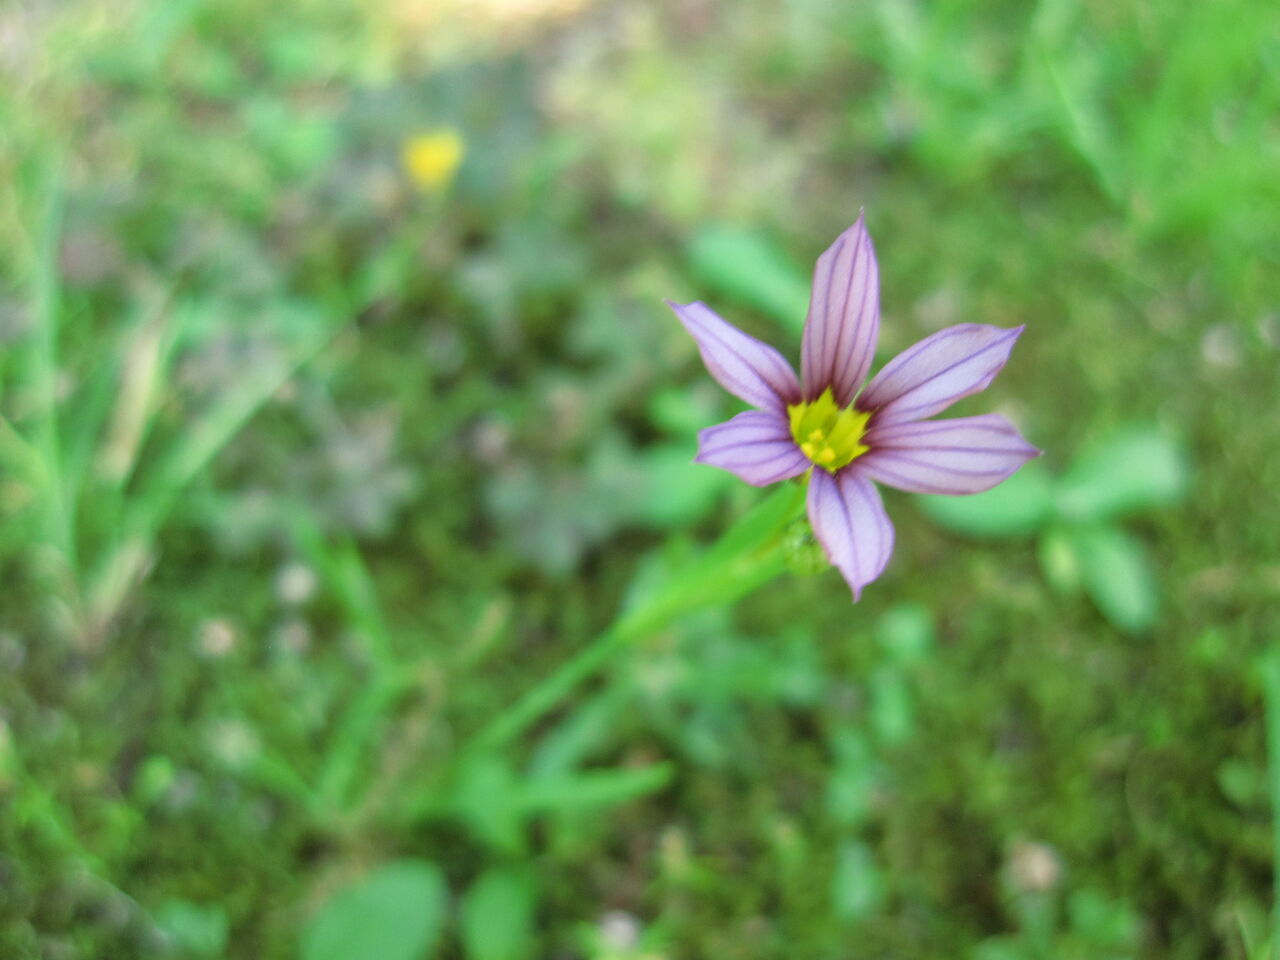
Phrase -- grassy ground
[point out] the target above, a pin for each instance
(310, 465)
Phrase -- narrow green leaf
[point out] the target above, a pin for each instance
(1132, 469)
(44, 363)
(760, 526)
(341, 564)
(19, 458)
(585, 728)
(752, 269)
(394, 913)
(497, 917)
(146, 356)
(1016, 508)
(1117, 576)
(739, 562)
(1083, 125)
(593, 789)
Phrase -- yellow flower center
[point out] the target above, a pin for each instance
(829, 436)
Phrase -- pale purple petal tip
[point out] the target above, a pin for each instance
(936, 372)
(849, 520)
(756, 446)
(964, 455)
(746, 367)
(843, 324)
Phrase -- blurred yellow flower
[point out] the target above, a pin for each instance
(432, 159)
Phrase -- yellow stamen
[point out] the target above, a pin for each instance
(827, 435)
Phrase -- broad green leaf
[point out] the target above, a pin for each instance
(1059, 562)
(154, 777)
(892, 713)
(853, 780)
(1104, 922)
(497, 916)
(906, 633)
(1001, 948)
(1133, 469)
(857, 888)
(1242, 782)
(749, 267)
(1117, 576)
(198, 929)
(394, 913)
(486, 795)
(1016, 508)
(673, 490)
(158, 31)
(681, 412)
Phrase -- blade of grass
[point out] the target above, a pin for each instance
(59, 521)
(587, 789)
(146, 512)
(1271, 693)
(142, 374)
(344, 570)
(35, 805)
(208, 436)
(19, 457)
(1084, 127)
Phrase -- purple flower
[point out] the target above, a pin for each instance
(853, 437)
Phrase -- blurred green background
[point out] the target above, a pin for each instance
(338, 406)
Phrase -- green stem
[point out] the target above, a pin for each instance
(746, 556)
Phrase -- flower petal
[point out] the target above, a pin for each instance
(936, 372)
(755, 445)
(743, 365)
(849, 521)
(965, 455)
(843, 324)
